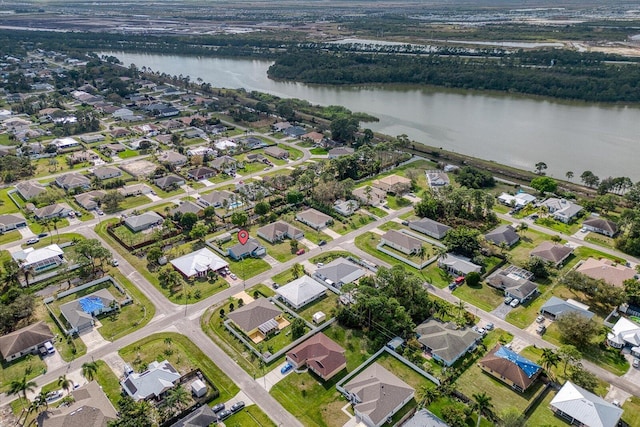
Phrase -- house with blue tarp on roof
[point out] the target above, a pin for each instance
(511, 368)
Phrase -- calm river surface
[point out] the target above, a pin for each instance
(515, 131)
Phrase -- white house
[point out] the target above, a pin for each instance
(301, 292)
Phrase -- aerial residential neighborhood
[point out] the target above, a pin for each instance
(170, 257)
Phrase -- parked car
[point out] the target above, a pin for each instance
(43, 235)
(322, 242)
(514, 303)
(53, 395)
(481, 331)
(233, 276)
(286, 368)
(49, 347)
(508, 300)
(300, 252)
(541, 329)
(237, 406)
(99, 211)
(33, 241)
(405, 222)
(115, 262)
(217, 408)
(540, 319)
(452, 286)
(223, 415)
(636, 363)
(320, 264)
(489, 327)
(275, 286)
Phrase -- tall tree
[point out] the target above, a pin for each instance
(20, 387)
(482, 406)
(541, 167)
(89, 370)
(65, 383)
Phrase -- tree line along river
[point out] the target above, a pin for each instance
(511, 130)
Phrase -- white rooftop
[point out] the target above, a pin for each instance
(301, 290)
(198, 262)
(31, 256)
(586, 407)
(224, 144)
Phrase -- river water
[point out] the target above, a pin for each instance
(511, 130)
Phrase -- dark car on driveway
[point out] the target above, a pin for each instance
(237, 406)
(217, 408)
(223, 415)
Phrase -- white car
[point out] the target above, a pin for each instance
(515, 302)
(33, 241)
(233, 276)
(636, 363)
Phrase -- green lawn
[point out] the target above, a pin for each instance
(529, 240)
(284, 277)
(557, 226)
(133, 202)
(318, 151)
(294, 153)
(109, 382)
(58, 239)
(482, 296)
(326, 304)
(128, 153)
(9, 237)
(601, 240)
(6, 204)
(542, 415)
(164, 194)
(248, 267)
(397, 202)
(183, 354)
(309, 233)
(354, 222)
(392, 225)
(329, 256)
(368, 242)
(250, 416)
(632, 411)
(436, 276)
(37, 228)
(380, 213)
(33, 366)
(281, 251)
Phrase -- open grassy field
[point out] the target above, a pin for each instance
(482, 296)
(9, 237)
(109, 382)
(31, 366)
(250, 416)
(354, 222)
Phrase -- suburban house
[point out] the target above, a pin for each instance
(203, 416)
(315, 137)
(552, 252)
(82, 156)
(340, 151)
(73, 180)
(276, 152)
(90, 139)
(252, 190)
(601, 226)
(258, 319)
(252, 142)
(106, 172)
(320, 354)
(515, 282)
(187, 206)
(369, 195)
(114, 147)
(314, 218)
(556, 307)
(252, 249)
(10, 222)
(605, 269)
(58, 210)
(169, 181)
(256, 158)
(394, 184)
(200, 151)
(625, 333)
(376, 395)
(134, 190)
(65, 143)
(173, 158)
(445, 341)
(278, 231)
(201, 172)
(339, 272)
(216, 198)
(503, 234)
(458, 265)
(437, 179)
(120, 132)
(24, 341)
(301, 292)
(199, 263)
(519, 200)
(583, 408)
(345, 207)
(225, 144)
(80, 312)
(510, 368)
(429, 227)
(143, 221)
(401, 242)
(90, 200)
(40, 259)
(280, 126)
(561, 209)
(152, 383)
(90, 408)
(224, 164)
(424, 418)
(294, 131)
(30, 189)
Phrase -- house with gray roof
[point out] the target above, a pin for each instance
(134, 190)
(10, 222)
(257, 319)
(503, 234)
(556, 307)
(203, 416)
(339, 152)
(169, 181)
(515, 282)
(24, 341)
(561, 209)
(251, 249)
(278, 231)
(376, 395)
(581, 407)
(90, 200)
(173, 158)
(429, 227)
(313, 218)
(187, 206)
(369, 195)
(57, 210)
(401, 242)
(201, 172)
(277, 152)
(424, 418)
(346, 207)
(445, 341)
(458, 264)
(339, 272)
(153, 383)
(143, 221)
(300, 292)
(90, 407)
(80, 313)
(30, 189)
(601, 226)
(106, 172)
(552, 252)
(224, 164)
(216, 198)
(73, 180)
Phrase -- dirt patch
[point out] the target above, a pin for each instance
(332, 413)
(139, 168)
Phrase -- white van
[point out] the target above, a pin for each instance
(49, 347)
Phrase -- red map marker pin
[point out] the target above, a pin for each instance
(243, 237)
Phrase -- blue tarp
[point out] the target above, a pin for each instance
(91, 304)
(527, 366)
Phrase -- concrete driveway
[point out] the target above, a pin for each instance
(273, 377)
(92, 338)
(53, 361)
(26, 232)
(502, 310)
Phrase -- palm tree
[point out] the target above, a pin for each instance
(569, 175)
(20, 387)
(55, 221)
(482, 405)
(168, 341)
(177, 397)
(549, 359)
(64, 383)
(427, 395)
(89, 370)
(421, 253)
(297, 270)
(461, 306)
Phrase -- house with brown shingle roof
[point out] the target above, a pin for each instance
(257, 319)
(320, 354)
(552, 252)
(313, 218)
(30, 189)
(511, 368)
(90, 408)
(394, 184)
(368, 195)
(276, 152)
(24, 341)
(278, 231)
(601, 226)
(605, 269)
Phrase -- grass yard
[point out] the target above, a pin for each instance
(392, 225)
(319, 151)
(327, 257)
(69, 348)
(582, 253)
(183, 354)
(557, 226)
(250, 416)
(32, 366)
(380, 213)
(109, 382)
(482, 296)
(354, 222)
(9, 237)
(524, 314)
(397, 202)
(600, 240)
(542, 415)
(164, 194)
(284, 277)
(325, 304)
(631, 410)
(133, 202)
(38, 228)
(294, 153)
(248, 267)
(529, 240)
(309, 233)
(6, 204)
(281, 251)
(404, 372)
(368, 242)
(128, 153)
(436, 276)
